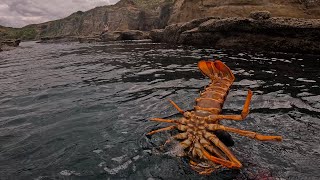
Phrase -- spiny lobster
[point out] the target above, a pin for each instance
(199, 129)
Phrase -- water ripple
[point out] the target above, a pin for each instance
(81, 110)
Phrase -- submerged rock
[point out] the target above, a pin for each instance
(273, 34)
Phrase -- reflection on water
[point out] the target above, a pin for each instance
(81, 111)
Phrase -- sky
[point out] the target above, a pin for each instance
(18, 13)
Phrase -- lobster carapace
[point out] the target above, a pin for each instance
(198, 129)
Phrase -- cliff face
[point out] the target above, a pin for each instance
(258, 34)
(186, 10)
(155, 14)
(125, 15)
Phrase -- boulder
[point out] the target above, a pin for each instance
(111, 36)
(134, 35)
(225, 24)
(157, 35)
(124, 35)
(260, 15)
(13, 43)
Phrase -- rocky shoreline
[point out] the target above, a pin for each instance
(103, 37)
(259, 32)
(6, 45)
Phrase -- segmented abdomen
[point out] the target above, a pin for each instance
(212, 99)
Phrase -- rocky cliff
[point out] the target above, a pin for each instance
(125, 15)
(187, 10)
(258, 33)
(154, 14)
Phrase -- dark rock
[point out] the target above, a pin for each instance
(111, 36)
(172, 32)
(225, 24)
(157, 35)
(260, 15)
(13, 43)
(6, 45)
(273, 34)
(57, 39)
(88, 39)
(107, 36)
(134, 35)
(124, 35)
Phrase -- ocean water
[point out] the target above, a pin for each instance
(81, 111)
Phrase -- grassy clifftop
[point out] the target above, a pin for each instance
(26, 33)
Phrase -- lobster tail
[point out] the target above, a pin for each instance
(215, 70)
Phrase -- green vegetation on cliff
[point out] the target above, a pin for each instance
(25, 33)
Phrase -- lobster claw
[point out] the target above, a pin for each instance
(215, 69)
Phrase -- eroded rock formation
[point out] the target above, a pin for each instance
(273, 34)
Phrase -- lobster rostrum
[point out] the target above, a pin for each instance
(199, 129)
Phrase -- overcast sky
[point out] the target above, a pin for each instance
(18, 13)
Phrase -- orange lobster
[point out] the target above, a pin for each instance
(199, 129)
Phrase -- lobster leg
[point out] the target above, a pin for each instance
(244, 113)
(164, 120)
(233, 162)
(180, 136)
(226, 163)
(207, 145)
(176, 106)
(249, 134)
(162, 129)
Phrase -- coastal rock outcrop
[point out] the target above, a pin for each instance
(124, 35)
(9, 44)
(103, 37)
(273, 34)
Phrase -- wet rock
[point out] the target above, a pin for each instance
(273, 34)
(13, 43)
(108, 36)
(156, 35)
(134, 35)
(88, 39)
(9, 44)
(124, 35)
(57, 39)
(111, 36)
(260, 15)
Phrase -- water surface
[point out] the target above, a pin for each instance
(80, 111)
